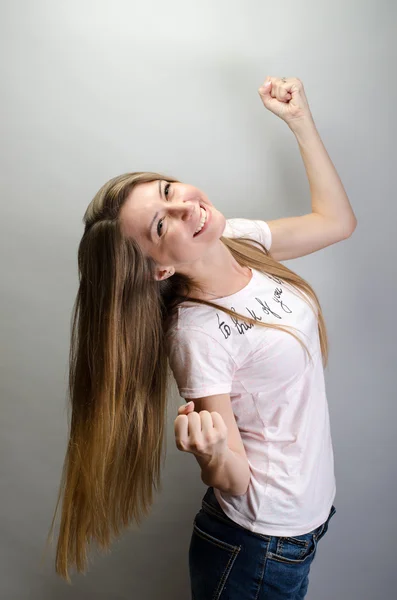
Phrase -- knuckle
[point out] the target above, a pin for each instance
(197, 446)
(178, 421)
(210, 438)
(217, 415)
(179, 444)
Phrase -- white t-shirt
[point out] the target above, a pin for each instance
(278, 397)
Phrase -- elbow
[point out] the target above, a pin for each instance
(243, 489)
(246, 486)
(349, 229)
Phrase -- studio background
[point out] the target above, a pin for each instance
(91, 90)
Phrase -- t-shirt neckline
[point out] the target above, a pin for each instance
(242, 291)
(231, 296)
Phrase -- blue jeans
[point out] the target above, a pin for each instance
(229, 562)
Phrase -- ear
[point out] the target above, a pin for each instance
(163, 274)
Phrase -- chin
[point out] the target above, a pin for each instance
(224, 223)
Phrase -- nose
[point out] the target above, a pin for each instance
(186, 209)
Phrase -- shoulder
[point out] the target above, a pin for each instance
(255, 229)
(198, 348)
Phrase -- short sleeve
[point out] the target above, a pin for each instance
(255, 229)
(200, 364)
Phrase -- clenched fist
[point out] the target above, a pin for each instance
(286, 98)
(203, 434)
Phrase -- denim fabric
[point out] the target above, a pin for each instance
(229, 562)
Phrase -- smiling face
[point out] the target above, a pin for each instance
(163, 217)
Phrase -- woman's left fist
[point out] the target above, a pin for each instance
(286, 98)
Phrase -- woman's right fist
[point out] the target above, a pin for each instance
(203, 434)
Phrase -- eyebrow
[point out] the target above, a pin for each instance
(150, 236)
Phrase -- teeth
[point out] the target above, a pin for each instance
(203, 219)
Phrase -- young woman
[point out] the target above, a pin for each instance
(166, 281)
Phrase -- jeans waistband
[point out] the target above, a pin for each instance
(211, 505)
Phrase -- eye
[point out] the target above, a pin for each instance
(166, 190)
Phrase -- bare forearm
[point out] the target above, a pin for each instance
(229, 473)
(328, 195)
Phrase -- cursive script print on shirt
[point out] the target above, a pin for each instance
(260, 306)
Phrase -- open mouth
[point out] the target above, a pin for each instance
(205, 223)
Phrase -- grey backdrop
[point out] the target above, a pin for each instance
(92, 89)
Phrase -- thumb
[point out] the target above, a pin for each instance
(264, 90)
(186, 408)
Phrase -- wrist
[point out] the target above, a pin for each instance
(210, 461)
(303, 125)
(229, 472)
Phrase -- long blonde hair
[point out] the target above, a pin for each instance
(119, 374)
